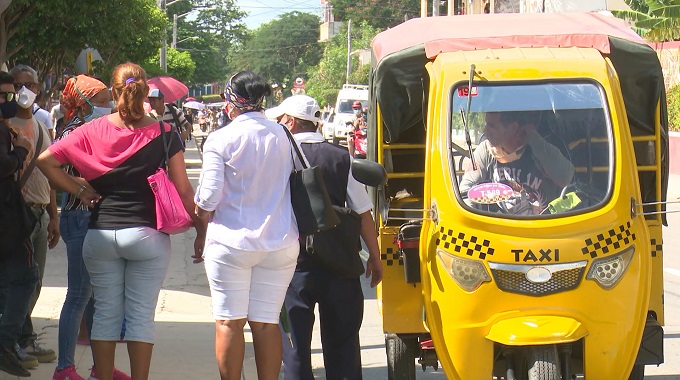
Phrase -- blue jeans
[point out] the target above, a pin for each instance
(73, 226)
(127, 268)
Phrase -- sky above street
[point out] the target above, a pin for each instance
(261, 11)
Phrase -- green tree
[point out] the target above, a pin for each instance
(209, 36)
(54, 33)
(180, 66)
(282, 49)
(326, 78)
(380, 14)
(12, 14)
(655, 20)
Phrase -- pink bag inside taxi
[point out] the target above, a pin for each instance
(171, 216)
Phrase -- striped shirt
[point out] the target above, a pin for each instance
(69, 201)
(169, 118)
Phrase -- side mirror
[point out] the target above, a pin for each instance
(369, 173)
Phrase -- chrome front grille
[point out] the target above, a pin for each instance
(512, 278)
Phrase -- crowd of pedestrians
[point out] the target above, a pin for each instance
(104, 148)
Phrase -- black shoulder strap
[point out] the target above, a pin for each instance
(166, 146)
(295, 147)
(173, 111)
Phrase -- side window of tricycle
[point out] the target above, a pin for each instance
(538, 150)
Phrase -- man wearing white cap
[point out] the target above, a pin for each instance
(168, 113)
(340, 300)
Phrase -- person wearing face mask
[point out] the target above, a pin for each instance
(515, 154)
(252, 240)
(126, 255)
(38, 195)
(358, 133)
(18, 271)
(83, 99)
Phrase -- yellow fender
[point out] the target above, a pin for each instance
(536, 330)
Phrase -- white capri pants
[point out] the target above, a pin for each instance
(248, 284)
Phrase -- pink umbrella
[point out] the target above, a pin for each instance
(171, 88)
(189, 99)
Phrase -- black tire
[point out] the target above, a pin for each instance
(638, 372)
(401, 357)
(543, 363)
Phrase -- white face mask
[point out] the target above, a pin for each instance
(26, 97)
(501, 156)
(97, 112)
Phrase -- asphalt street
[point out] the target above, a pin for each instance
(185, 328)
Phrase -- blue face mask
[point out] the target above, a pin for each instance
(357, 112)
(97, 112)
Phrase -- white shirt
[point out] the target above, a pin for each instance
(56, 113)
(245, 180)
(357, 198)
(43, 116)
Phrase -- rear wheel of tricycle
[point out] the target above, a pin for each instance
(638, 372)
(401, 357)
(543, 363)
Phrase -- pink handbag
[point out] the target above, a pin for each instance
(171, 216)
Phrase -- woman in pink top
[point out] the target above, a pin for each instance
(126, 256)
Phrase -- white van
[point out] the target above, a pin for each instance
(336, 128)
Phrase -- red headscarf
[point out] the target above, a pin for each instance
(76, 91)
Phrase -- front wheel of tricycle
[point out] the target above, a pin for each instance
(543, 363)
(401, 357)
(638, 372)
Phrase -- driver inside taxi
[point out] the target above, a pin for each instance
(516, 155)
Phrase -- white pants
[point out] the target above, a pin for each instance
(248, 284)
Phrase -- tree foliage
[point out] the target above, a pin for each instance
(180, 66)
(655, 20)
(52, 35)
(381, 14)
(281, 49)
(327, 78)
(217, 26)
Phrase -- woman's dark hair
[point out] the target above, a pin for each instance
(250, 86)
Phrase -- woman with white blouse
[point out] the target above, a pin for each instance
(252, 240)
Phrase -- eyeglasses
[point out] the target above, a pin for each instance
(18, 86)
(8, 96)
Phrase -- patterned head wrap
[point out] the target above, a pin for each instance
(76, 93)
(242, 103)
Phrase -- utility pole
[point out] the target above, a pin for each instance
(174, 30)
(450, 11)
(164, 48)
(423, 8)
(349, 50)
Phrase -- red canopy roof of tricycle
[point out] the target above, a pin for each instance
(489, 31)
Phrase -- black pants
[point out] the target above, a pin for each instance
(341, 310)
(18, 279)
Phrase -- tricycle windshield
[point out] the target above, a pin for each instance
(539, 150)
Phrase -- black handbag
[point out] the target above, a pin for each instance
(337, 249)
(311, 204)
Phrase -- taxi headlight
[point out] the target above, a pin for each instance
(468, 274)
(608, 271)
